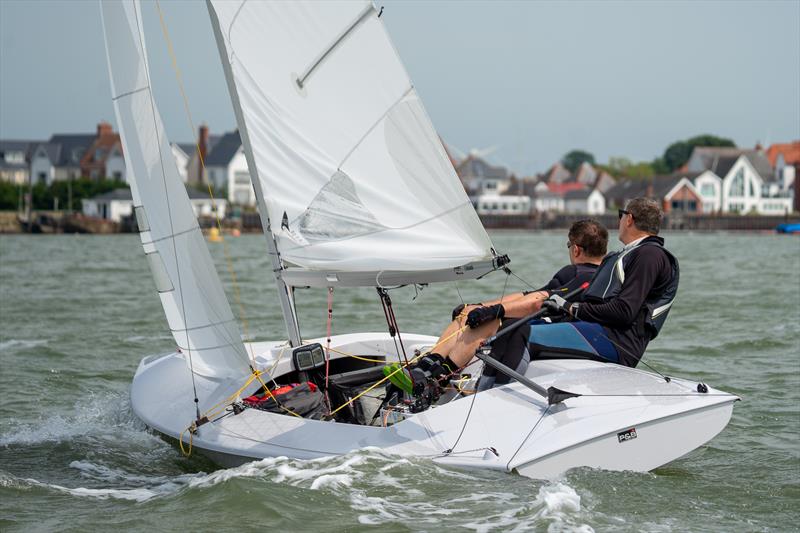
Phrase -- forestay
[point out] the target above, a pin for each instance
(194, 302)
(349, 170)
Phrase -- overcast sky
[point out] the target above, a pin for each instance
(532, 79)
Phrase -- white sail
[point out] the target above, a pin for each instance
(194, 302)
(351, 174)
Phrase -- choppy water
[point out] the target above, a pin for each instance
(78, 312)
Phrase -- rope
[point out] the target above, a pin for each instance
(399, 369)
(228, 260)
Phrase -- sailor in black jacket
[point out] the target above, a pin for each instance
(629, 297)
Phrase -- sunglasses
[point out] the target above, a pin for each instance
(622, 213)
(570, 244)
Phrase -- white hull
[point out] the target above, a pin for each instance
(527, 436)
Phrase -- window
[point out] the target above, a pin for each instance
(490, 185)
(117, 175)
(707, 189)
(99, 154)
(42, 177)
(241, 178)
(737, 184)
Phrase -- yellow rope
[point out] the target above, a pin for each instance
(231, 271)
(399, 369)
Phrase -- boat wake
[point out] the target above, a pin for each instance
(102, 416)
(381, 489)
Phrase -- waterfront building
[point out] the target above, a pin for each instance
(784, 157)
(676, 193)
(585, 201)
(118, 204)
(747, 182)
(495, 204)
(480, 178)
(227, 170)
(15, 161)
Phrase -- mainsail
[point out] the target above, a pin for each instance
(194, 302)
(347, 166)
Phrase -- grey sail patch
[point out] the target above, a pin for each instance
(336, 212)
(141, 218)
(159, 272)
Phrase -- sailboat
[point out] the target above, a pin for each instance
(354, 189)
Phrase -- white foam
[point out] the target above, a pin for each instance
(21, 343)
(100, 416)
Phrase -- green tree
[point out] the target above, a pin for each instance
(678, 153)
(10, 195)
(622, 167)
(576, 158)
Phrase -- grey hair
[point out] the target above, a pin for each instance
(647, 214)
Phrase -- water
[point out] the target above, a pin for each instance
(78, 312)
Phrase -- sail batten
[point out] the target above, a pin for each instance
(355, 177)
(195, 305)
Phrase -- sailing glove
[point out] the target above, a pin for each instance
(460, 309)
(557, 305)
(481, 315)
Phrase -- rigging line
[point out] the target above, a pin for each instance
(459, 292)
(169, 208)
(399, 369)
(466, 421)
(529, 284)
(474, 396)
(521, 444)
(329, 327)
(201, 158)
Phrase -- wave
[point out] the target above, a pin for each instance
(380, 488)
(96, 415)
(23, 344)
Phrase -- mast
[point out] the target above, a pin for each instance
(285, 293)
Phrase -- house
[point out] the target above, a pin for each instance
(479, 177)
(117, 204)
(494, 204)
(585, 201)
(675, 193)
(558, 173)
(103, 158)
(15, 161)
(748, 183)
(784, 158)
(226, 169)
(709, 186)
(71, 156)
(44, 157)
(71, 148)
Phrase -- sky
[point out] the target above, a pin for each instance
(525, 81)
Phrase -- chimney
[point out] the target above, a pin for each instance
(649, 192)
(202, 146)
(104, 129)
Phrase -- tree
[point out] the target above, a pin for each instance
(678, 153)
(575, 159)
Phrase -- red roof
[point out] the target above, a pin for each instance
(790, 151)
(563, 188)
